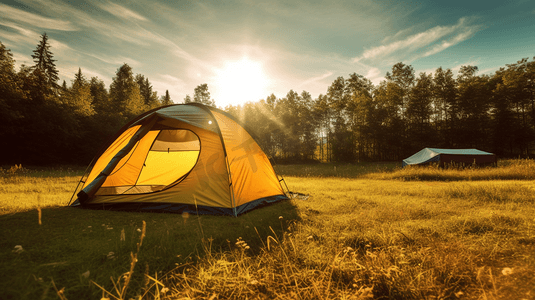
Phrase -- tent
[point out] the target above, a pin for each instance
(451, 156)
(181, 158)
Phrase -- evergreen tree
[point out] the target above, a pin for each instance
(358, 90)
(322, 115)
(474, 107)
(125, 97)
(419, 113)
(166, 100)
(202, 95)
(150, 97)
(80, 98)
(44, 69)
(187, 99)
(445, 105)
(11, 96)
(100, 97)
(9, 85)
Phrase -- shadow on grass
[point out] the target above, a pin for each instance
(72, 241)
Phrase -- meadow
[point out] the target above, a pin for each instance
(365, 231)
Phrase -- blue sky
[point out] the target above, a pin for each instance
(246, 49)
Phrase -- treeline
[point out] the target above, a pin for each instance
(357, 121)
(43, 122)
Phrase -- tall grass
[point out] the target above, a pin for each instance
(368, 235)
(521, 169)
(335, 169)
(383, 240)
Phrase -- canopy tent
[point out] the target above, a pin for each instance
(450, 156)
(181, 158)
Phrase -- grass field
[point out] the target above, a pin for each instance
(367, 231)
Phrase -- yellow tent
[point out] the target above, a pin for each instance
(181, 158)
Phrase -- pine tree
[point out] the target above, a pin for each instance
(80, 99)
(150, 98)
(166, 100)
(187, 99)
(202, 95)
(99, 95)
(10, 91)
(125, 97)
(45, 69)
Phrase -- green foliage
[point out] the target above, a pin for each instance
(150, 98)
(353, 121)
(202, 95)
(44, 69)
(187, 99)
(166, 100)
(125, 95)
(79, 98)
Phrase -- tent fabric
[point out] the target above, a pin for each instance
(445, 156)
(184, 157)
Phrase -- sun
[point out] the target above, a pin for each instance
(239, 82)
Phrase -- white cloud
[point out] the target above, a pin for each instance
(23, 35)
(92, 73)
(451, 42)
(175, 86)
(57, 45)
(121, 11)
(104, 27)
(116, 61)
(374, 75)
(315, 79)
(397, 35)
(424, 43)
(22, 59)
(14, 14)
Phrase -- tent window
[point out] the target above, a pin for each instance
(173, 154)
(176, 140)
(168, 156)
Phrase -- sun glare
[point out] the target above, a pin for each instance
(239, 82)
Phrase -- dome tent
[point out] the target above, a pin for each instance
(181, 158)
(450, 156)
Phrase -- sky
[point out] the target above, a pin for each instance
(247, 49)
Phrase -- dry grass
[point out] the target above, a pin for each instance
(371, 236)
(520, 169)
(382, 239)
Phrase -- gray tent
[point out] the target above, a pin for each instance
(451, 156)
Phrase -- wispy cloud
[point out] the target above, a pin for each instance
(451, 42)
(19, 35)
(121, 11)
(14, 14)
(374, 75)
(68, 71)
(315, 79)
(82, 19)
(114, 60)
(22, 59)
(174, 85)
(423, 43)
(398, 34)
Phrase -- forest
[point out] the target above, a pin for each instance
(44, 122)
